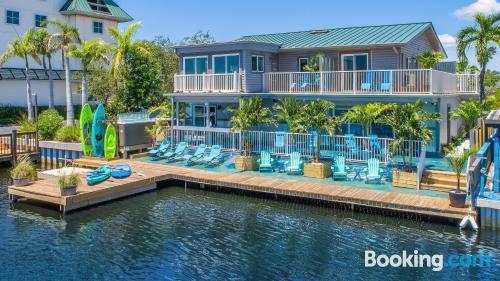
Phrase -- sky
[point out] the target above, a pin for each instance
(227, 20)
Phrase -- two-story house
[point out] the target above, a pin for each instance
(355, 65)
(92, 17)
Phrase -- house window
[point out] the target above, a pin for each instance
(355, 62)
(99, 6)
(303, 62)
(39, 21)
(12, 17)
(257, 63)
(226, 63)
(98, 27)
(195, 65)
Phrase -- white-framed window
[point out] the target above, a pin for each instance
(195, 65)
(39, 21)
(98, 27)
(355, 62)
(303, 62)
(12, 17)
(227, 63)
(257, 63)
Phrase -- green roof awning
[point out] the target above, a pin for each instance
(348, 36)
(110, 10)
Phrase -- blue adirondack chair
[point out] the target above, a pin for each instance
(307, 82)
(279, 142)
(351, 144)
(191, 158)
(375, 145)
(161, 148)
(385, 86)
(214, 157)
(339, 168)
(179, 150)
(265, 162)
(373, 171)
(368, 82)
(295, 165)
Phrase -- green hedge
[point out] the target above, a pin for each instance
(10, 115)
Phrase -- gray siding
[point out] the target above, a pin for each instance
(384, 59)
(419, 45)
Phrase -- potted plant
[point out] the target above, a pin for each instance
(68, 184)
(23, 172)
(316, 118)
(457, 162)
(249, 113)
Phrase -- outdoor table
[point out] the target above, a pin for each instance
(281, 165)
(357, 173)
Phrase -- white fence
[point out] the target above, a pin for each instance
(228, 82)
(355, 149)
(467, 83)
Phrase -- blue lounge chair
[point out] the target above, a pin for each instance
(307, 83)
(339, 168)
(179, 150)
(375, 145)
(385, 86)
(368, 82)
(373, 172)
(191, 158)
(265, 162)
(279, 142)
(214, 157)
(295, 165)
(161, 148)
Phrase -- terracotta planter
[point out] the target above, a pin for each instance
(68, 190)
(457, 198)
(318, 170)
(246, 163)
(21, 181)
(404, 179)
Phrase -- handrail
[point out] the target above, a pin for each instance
(421, 165)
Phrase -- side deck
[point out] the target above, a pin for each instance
(147, 175)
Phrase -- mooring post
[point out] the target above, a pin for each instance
(13, 146)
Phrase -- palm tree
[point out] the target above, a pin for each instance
(429, 58)
(92, 53)
(123, 44)
(483, 36)
(290, 111)
(366, 114)
(315, 117)
(41, 41)
(316, 63)
(249, 113)
(470, 112)
(65, 37)
(23, 48)
(458, 160)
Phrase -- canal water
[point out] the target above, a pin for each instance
(193, 234)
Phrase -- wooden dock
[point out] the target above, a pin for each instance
(147, 175)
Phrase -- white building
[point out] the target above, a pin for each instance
(92, 17)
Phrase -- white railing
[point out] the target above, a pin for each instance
(354, 148)
(401, 81)
(223, 83)
(421, 166)
(467, 83)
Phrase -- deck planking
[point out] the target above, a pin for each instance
(146, 175)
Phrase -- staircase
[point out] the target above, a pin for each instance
(441, 181)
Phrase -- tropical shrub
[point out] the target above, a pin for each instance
(68, 134)
(290, 110)
(470, 112)
(429, 58)
(24, 168)
(67, 180)
(48, 123)
(26, 125)
(315, 117)
(366, 115)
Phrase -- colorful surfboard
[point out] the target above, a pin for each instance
(110, 142)
(98, 131)
(86, 118)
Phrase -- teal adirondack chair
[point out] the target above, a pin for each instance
(265, 162)
(214, 157)
(179, 150)
(191, 158)
(295, 165)
(373, 172)
(339, 168)
(164, 145)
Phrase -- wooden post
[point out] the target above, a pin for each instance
(13, 146)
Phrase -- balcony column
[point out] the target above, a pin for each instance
(177, 115)
(207, 115)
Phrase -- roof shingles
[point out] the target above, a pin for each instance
(82, 6)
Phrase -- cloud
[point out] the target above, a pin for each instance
(480, 6)
(448, 40)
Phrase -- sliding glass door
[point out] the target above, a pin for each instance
(195, 65)
(352, 62)
(226, 63)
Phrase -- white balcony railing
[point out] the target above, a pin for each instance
(411, 81)
(223, 83)
(467, 83)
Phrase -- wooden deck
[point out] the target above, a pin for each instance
(146, 176)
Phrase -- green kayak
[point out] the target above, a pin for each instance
(99, 175)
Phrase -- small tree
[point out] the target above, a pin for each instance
(429, 58)
(249, 114)
(458, 160)
(290, 110)
(469, 111)
(41, 41)
(316, 117)
(315, 64)
(366, 114)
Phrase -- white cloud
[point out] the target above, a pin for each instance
(480, 6)
(448, 40)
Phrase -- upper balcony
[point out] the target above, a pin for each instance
(397, 81)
